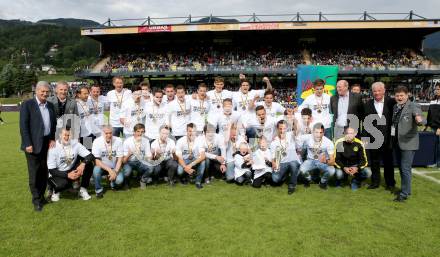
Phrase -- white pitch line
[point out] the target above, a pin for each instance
(425, 176)
(430, 172)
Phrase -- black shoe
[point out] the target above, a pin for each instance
(323, 186)
(373, 186)
(390, 188)
(38, 207)
(400, 199)
(291, 190)
(199, 186)
(307, 184)
(44, 201)
(100, 195)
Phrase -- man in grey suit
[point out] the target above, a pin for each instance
(62, 103)
(407, 116)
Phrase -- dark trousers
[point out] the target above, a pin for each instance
(37, 169)
(243, 178)
(166, 168)
(266, 177)
(212, 168)
(386, 155)
(59, 184)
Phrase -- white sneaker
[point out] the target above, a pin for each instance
(55, 197)
(84, 194)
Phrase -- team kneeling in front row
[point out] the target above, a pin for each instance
(198, 158)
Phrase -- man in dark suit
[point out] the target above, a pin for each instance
(37, 130)
(342, 105)
(379, 108)
(63, 104)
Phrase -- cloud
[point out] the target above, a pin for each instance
(101, 10)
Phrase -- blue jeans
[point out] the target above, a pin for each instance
(405, 160)
(309, 165)
(246, 176)
(117, 131)
(230, 173)
(360, 176)
(199, 170)
(97, 175)
(286, 169)
(144, 170)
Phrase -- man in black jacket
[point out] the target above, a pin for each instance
(351, 159)
(434, 119)
(342, 105)
(379, 111)
(37, 130)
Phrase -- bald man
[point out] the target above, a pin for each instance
(342, 105)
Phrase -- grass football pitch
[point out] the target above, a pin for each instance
(219, 220)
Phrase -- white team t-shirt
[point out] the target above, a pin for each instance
(133, 113)
(320, 107)
(199, 112)
(259, 166)
(166, 149)
(267, 129)
(63, 157)
(274, 110)
(179, 115)
(108, 153)
(155, 117)
(216, 100)
(241, 101)
(184, 148)
(97, 108)
(140, 149)
(223, 121)
(232, 147)
(316, 149)
(286, 148)
(115, 101)
(212, 147)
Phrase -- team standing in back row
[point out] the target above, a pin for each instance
(243, 137)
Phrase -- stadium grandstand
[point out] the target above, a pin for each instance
(401, 47)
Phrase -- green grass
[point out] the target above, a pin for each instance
(434, 175)
(220, 220)
(12, 100)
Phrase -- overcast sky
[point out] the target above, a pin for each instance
(100, 10)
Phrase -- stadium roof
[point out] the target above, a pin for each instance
(256, 22)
